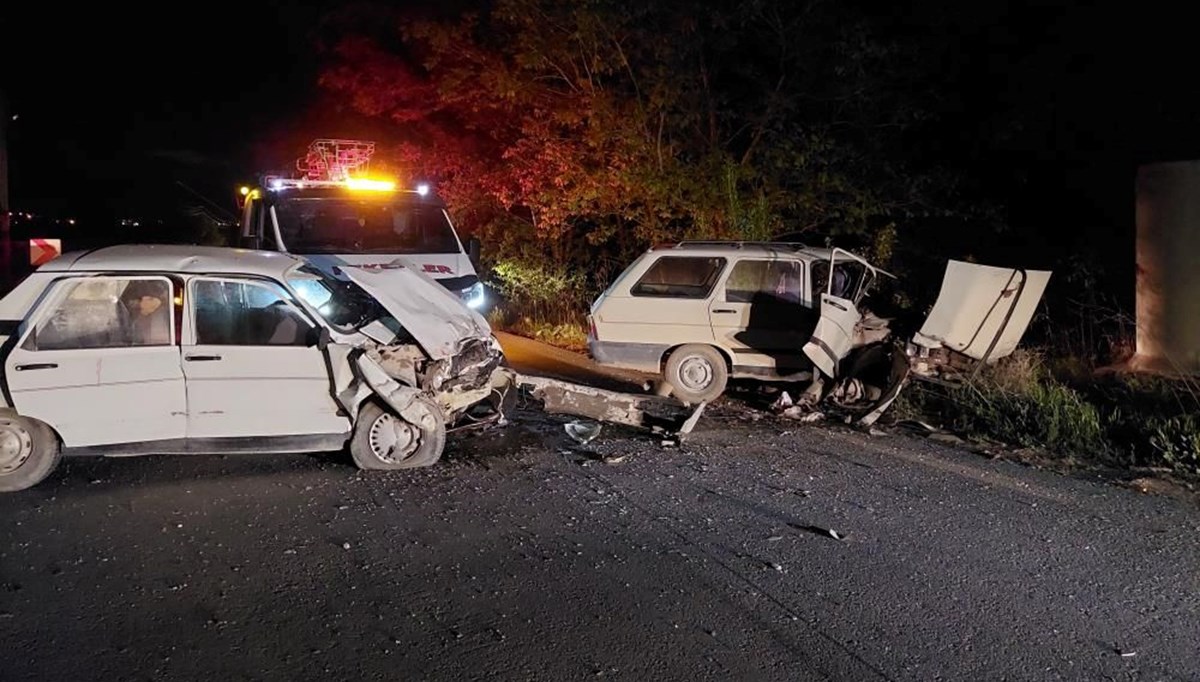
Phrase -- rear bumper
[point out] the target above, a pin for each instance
(644, 357)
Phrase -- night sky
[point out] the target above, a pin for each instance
(113, 110)
(1048, 107)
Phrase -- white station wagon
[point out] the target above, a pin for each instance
(700, 313)
(168, 349)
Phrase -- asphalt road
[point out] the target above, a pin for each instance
(524, 555)
(526, 355)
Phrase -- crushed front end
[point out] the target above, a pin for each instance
(471, 376)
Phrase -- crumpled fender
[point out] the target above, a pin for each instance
(399, 397)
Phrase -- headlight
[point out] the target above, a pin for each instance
(474, 296)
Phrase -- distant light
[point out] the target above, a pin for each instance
(244, 190)
(299, 185)
(70, 221)
(422, 189)
(276, 184)
(371, 185)
(16, 116)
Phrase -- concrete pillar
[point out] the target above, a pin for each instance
(1168, 268)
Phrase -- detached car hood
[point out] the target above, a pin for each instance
(982, 307)
(435, 318)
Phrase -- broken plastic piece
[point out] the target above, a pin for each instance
(581, 432)
(690, 423)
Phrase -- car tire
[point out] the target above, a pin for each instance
(696, 373)
(29, 452)
(383, 440)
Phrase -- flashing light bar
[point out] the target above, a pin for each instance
(363, 184)
(358, 184)
(371, 185)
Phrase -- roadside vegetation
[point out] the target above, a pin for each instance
(1111, 419)
(571, 136)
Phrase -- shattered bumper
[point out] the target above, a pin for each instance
(472, 375)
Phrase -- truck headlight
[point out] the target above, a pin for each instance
(474, 296)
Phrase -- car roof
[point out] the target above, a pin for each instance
(175, 258)
(774, 249)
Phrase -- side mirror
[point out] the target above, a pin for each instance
(319, 337)
(473, 247)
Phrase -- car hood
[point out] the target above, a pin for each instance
(435, 318)
(982, 311)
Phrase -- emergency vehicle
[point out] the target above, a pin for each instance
(336, 215)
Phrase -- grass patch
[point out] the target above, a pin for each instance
(564, 335)
(567, 334)
(1125, 421)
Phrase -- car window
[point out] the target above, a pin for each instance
(850, 279)
(763, 281)
(680, 277)
(344, 305)
(108, 312)
(243, 313)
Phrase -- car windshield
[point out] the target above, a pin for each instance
(348, 225)
(344, 305)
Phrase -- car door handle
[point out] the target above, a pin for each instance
(37, 365)
(723, 310)
(201, 358)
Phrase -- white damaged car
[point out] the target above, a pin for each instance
(170, 349)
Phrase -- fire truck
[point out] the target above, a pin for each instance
(335, 214)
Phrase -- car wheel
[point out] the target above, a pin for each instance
(384, 440)
(29, 452)
(696, 373)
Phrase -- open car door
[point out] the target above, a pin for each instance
(847, 280)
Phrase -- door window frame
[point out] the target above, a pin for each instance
(806, 293)
(285, 294)
(58, 290)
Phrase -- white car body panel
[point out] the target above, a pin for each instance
(971, 308)
(833, 338)
(187, 391)
(259, 391)
(102, 396)
(436, 318)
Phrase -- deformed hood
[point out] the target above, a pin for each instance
(436, 318)
(981, 305)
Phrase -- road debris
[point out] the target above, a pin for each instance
(660, 415)
(582, 432)
(783, 402)
(803, 414)
(818, 530)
